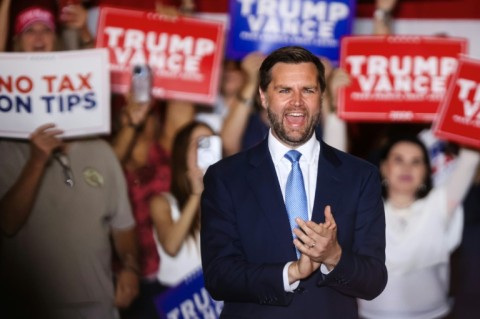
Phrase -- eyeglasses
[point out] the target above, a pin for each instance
(67, 171)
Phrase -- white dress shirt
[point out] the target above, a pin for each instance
(308, 163)
(309, 166)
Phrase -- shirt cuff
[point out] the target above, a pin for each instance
(286, 286)
(324, 269)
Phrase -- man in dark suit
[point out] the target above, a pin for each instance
(336, 253)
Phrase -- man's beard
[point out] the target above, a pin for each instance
(280, 131)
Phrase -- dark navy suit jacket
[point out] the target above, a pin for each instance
(246, 238)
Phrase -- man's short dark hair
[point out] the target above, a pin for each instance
(290, 55)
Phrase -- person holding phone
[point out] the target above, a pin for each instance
(144, 129)
(175, 215)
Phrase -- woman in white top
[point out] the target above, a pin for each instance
(175, 215)
(423, 227)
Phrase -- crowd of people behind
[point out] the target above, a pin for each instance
(76, 213)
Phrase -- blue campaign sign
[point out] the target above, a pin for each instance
(266, 25)
(189, 299)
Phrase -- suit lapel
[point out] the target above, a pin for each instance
(263, 181)
(328, 182)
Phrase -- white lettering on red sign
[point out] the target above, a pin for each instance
(170, 52)
(409, 74)
(469, 95)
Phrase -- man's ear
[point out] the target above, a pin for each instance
(263, 98)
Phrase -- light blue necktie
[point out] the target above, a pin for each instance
(295, 196)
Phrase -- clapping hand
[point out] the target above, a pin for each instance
(319, 241)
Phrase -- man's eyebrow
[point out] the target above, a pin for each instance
(282, 86)
(285, 86)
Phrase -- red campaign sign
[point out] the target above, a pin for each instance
(185, 54)
(396, 78)
(459, 113)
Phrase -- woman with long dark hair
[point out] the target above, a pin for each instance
(175, 214)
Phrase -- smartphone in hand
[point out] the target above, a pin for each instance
(209, 151)
(141, 83)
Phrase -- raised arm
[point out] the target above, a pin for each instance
(133, 117)
(335, 129)
(4, 19)
(75, 17)
(461, 178)
(171, 233)
(237, 119)
(178, 113)
(382, 18)
(17, 204)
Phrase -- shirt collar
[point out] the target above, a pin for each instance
(309, 150)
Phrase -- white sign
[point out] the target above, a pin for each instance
(70, 89)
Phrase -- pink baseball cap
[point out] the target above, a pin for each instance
(31, 15)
